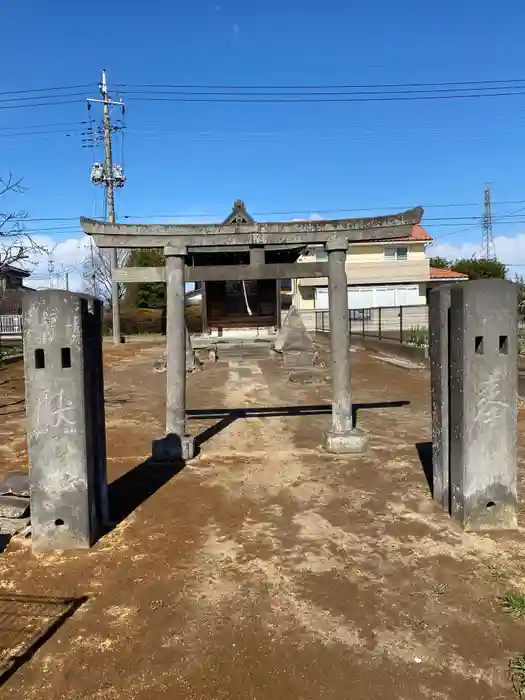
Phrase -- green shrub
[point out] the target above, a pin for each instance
(521, 343)
(417, 336)
(150, 321)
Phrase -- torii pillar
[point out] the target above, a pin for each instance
(342, 438)
(177, 445)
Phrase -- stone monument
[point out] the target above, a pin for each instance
(294, 342)
(474, 408)
(65, 419)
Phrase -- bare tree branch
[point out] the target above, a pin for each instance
(16, 245)
(97, 273)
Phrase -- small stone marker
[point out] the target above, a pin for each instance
(294, 342)
(192, 361)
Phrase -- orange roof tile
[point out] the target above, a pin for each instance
(437, 273)
(418, 234)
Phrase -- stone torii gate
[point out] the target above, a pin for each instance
(183, 242)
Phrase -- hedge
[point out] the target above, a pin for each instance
(150, 321)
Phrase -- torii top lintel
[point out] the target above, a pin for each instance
(187, 238)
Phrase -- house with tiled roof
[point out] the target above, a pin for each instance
(12, 286)
(381, 274)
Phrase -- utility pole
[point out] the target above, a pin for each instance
(110, 176)
(489, 249)
(115, 302)
(50, 268)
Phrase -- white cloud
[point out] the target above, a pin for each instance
(67, 255)
(509, 249)
(313, 216)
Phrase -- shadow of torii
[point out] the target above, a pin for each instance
(229, 415)
(136, 486)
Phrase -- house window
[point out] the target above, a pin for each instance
(321, 255)
(407, 296)
(396, 253)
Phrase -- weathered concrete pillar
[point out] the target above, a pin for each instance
(176, 445)
(176, 347)
(343, 437)
(65, 419)
(438, 317)
(483, 390)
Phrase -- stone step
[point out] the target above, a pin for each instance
(238, 351)
(13, 506)
(11, 526)
(15, 483)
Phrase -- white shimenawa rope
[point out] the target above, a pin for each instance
(246, 299)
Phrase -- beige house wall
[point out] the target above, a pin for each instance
(366, 265)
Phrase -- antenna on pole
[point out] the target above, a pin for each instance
(489, 249)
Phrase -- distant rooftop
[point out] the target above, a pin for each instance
(438, 273)
(15, 271)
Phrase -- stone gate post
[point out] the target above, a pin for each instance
(483, 397)
(438, 317)
(65, 419)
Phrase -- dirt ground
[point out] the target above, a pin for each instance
(267, 568)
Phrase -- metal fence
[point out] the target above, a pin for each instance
(10, 325)
(404, 324)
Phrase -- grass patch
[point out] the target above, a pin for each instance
(517, 675)
(417, 336)
(10, 351)
(513, 603)
(497, 574)
(438, 589)
(521, 343)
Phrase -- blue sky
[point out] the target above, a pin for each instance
(194, 159)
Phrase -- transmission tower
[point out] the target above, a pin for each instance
(489, 250)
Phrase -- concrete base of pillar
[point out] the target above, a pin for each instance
(495, 508)
(173, 449)
(295, 360)
(353, 442)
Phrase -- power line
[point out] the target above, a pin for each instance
(41, 97)
(42, 104)
(47, 89)
(448, 91)
(318, 210)
(322, 100)
(40, 126)
(325, 86)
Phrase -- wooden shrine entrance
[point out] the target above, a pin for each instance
(256, 251)
(240, 305)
